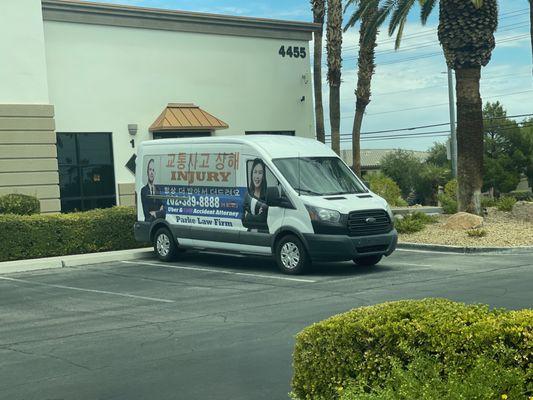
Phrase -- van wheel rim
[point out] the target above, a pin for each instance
(290, 255)
(163, 245)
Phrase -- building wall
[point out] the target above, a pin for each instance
(23, 65)
(28, 163)
(102, 78)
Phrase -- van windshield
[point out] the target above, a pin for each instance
(319, 176)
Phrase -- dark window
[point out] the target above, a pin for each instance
(86, 171)
(284, 133)
(180, 134)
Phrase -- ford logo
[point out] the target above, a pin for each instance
(370, 220)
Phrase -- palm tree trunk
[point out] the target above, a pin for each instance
(469, 139)
(365, 71)
(334, 47)
(335, 117)
(317, 81)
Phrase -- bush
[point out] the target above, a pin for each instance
(34, 236)
(522, 195)
(476, 233)
(488, 202)
(425, 378)
(506, 203)
(19, 204)
(414, 222)
(388, 189)
(448, 199)
(367, 343)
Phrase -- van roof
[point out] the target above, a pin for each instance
(275, 146)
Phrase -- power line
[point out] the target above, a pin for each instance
(505, 127)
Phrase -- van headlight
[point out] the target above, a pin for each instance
(323, 214)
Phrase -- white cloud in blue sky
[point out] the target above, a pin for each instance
(417, 85)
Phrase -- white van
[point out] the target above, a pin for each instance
(289, 197)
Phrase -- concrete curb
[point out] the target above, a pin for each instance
(465, 250)
(74, 260)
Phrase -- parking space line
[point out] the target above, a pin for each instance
(173, 266)
(87, 290)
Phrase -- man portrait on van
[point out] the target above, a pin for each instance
(255, 206)
(152, 206)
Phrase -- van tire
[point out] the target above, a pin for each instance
(367, 261)
(291, 255)
(164, 245)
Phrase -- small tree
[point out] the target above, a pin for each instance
(403, 167)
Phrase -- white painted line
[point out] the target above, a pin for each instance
(86, 290)
(402, 264)
(218, 271)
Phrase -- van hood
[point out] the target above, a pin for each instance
(345, 203)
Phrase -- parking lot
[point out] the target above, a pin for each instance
(209, 326)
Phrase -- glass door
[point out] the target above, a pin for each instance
(86, 171)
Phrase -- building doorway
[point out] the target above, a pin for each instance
(86, 171)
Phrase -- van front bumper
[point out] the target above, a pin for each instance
(343, 247)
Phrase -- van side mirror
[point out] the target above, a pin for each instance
(276, 198)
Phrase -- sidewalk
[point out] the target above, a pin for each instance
(74, 260)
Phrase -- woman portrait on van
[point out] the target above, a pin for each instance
(255, 206)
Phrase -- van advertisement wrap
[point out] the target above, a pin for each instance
(194, 189)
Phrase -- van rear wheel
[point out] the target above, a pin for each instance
(367, 261)
(164, 245)
(291, 255)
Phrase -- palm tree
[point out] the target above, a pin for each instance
(367, 12)
(334, 48)
(466, 34)
(319, 10)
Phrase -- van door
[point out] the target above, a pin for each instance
(260, 219)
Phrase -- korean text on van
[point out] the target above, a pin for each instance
(287, 197)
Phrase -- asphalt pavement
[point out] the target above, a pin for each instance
(208, 326)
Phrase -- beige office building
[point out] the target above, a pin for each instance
(82, 84)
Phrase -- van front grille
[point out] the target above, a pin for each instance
(368, 222)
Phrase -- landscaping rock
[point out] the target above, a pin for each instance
(523, 210)
(463, 221)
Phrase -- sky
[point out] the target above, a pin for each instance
(410, 86)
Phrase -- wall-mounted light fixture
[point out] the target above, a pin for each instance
(132, 129)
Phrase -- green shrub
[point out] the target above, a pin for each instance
(448, 204)
(34, 236)
(506, 203)
(476, 233)
(450, 189)
(365, 344)
(448, 199)
(388, 189)
(488, 202)
(426, 378)
(408, 224)
(426, 219)
(521, 195)
(20, 204)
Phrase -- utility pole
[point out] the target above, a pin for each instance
(453, 130)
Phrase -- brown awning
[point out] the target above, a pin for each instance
(185, 117)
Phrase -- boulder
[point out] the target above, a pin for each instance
(523, 210)
(463, 221)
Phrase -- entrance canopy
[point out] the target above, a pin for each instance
(186, 117)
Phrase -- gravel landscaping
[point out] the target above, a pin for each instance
(502, 230)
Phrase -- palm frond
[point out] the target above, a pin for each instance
(377, 19)
(399, 14)
(399, 34)
(478, 3)
(427, 8)
(361, 9)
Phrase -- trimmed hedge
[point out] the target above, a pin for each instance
(34, 236)
(388, 189)
(366, 343)
(20, 204)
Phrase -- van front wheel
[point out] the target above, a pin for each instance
(291, 255)
(164, 245)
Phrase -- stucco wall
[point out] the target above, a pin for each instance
(102, 78)
(22, 65)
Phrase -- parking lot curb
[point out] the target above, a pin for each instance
(74, 260)
(465, 250)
